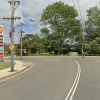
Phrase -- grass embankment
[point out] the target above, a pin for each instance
(4, 65)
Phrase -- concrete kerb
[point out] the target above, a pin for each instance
(17, 73)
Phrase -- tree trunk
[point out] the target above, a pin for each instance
(58, 48)
(58, 52)
(62, 50)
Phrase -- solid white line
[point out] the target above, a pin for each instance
(73, 88)
(77, 81)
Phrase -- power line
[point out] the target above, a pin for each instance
(4, 12)
(3, 21)
(23, 10)
(78, 1)
(82, 27)
(79, 10)
(74, 4)
(3, 15)
(5, 24)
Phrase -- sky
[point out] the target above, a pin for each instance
(32, 9)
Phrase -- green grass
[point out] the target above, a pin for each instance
(47, 54)
(44, 54)
(4, 65)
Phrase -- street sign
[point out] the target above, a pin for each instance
(25, 51)
(11, 47)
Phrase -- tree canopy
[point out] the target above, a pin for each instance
(93, 23)
(62, 21)
(61, 32)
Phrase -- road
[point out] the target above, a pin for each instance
(52, 78)
(89, 84)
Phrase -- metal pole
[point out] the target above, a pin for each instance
(12, 35)
(83, 24)
(21, 51)
(82, 43)
(21, 41)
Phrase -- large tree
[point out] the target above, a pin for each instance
(62, 20)
(93, 23)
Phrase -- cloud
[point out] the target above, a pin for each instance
(34, 8)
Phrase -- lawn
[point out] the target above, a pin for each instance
(4, 65)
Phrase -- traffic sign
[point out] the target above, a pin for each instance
(25, 51)
(11, 47)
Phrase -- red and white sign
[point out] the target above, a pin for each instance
(25, 51)
(1, 55)
(1, 42)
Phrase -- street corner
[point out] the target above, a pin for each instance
(19, 68)
(22, 66)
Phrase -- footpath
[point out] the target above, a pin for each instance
(19, 67)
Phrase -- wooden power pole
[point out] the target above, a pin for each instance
(12, 3)
(21, 39)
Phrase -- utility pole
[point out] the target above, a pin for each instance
(21, 39)
(83, 39)
(82, 42)
(12, 3)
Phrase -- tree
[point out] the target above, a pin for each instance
(62, 21)
(28, 37)
(93, 47)
(6, 48)
(93, 23)
(32, 43)
(44, 34)
(45, 31)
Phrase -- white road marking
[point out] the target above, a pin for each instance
(75, 84)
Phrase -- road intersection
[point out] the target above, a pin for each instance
(56, 78)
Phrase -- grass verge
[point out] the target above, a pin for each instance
(4, 65)
(44, 54)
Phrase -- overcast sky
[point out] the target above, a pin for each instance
(32, 9)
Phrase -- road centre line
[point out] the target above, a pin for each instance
(75, 84)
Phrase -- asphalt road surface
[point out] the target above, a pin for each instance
(53, 78)
(89, 84)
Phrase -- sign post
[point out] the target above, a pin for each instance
(25, 53)
(1, 44)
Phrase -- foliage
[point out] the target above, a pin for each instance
(32, 43)
(62, 21)
(93, 47)
(44, 31)
(60, 24)
(93, 23)
(6, 48)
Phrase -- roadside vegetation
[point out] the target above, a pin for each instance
(4, 65)
(61, 32)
